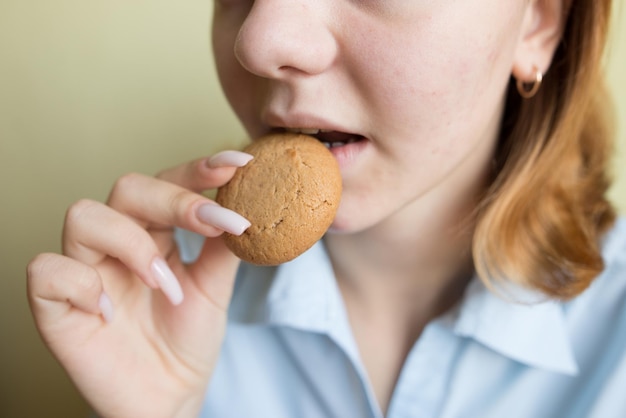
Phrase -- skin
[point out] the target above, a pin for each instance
(421, 81)
(424, 83)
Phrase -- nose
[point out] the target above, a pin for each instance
(280, 38)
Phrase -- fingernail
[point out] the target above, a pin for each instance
(167, 281)
(229, 159)
(222, 218)
(106, 307)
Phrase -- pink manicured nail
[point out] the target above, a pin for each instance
(229, 159)
(106, 307)
(222, 218)
(167, 281)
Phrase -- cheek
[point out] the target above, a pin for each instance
(437, 113)
(434, 76)
(236, 83)
(452, 102)
(223, 38)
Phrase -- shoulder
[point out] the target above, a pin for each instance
(613, 277)
(609, 288)
(601, 309)
(614, 242)
(595, 321)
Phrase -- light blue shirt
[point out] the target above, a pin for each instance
(289, 351)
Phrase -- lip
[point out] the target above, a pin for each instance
(345, 154)
(277, 123)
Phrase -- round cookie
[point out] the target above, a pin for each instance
(289, 192)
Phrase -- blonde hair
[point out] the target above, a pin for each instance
(541, 222)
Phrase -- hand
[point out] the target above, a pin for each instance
(132, 350)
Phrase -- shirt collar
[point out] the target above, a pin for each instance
(303, 294)
(524, 329)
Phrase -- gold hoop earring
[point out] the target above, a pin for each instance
(528, 90)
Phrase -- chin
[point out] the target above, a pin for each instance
(335, 230)
(351, 217)
(340, 225)
(344, 224)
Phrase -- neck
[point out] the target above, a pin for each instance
(413, 262)
(395, 278)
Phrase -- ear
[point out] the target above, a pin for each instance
(542, 29)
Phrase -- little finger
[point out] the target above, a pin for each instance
(56, 284)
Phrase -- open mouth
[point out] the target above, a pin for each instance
(331, 139)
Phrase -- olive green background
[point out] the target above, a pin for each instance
(90, 90)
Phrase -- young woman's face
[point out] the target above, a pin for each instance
(413, 89)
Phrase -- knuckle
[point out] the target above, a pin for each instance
(180, 205)
(123, 184)
(42, 273)
(127, 180)
(39, 265)
(79, 210)
(55, 278)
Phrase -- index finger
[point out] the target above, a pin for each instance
(206, 173)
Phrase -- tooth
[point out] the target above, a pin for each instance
(337, 144)
(309, 131)
(326, 144)
(306, 131)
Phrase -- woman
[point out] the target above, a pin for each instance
(473, 150)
